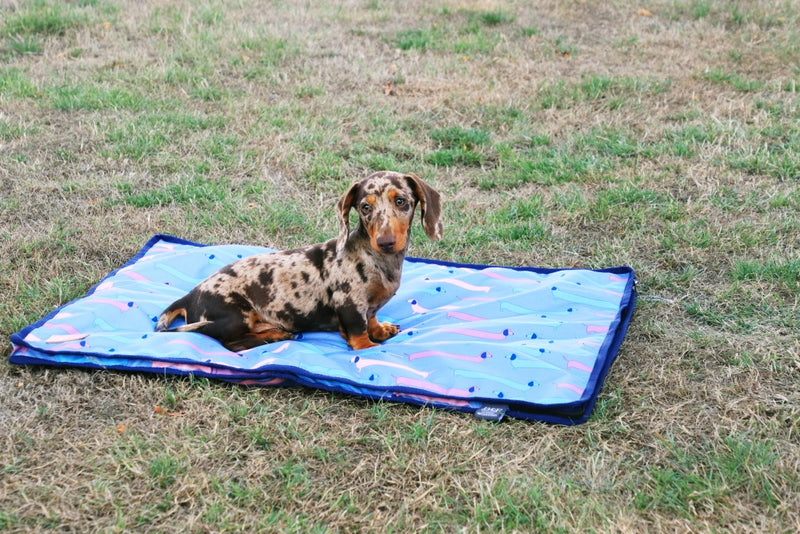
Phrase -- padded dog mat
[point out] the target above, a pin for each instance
(527, 342)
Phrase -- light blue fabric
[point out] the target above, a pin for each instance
(539, 341)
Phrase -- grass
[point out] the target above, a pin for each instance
(669, 143)
(43, 18)
(704, 479)
(462, 32)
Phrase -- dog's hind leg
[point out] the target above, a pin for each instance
(259, 333)
(227, 330)
(175, 310)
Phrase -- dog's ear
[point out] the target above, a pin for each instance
(429, 204)
(344, 206)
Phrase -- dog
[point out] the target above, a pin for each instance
(336, 285)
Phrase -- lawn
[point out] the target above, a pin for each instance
(663, 135)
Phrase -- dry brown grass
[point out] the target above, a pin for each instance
(671, 134)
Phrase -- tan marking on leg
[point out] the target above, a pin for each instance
(360, 341)
(166, 319)
(272, 335)
(263, 326)
(380, 332)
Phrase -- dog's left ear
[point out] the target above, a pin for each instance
(429, 204)
(344, 206)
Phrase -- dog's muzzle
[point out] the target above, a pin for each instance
(386, 243)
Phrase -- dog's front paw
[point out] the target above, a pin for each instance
(382, 331)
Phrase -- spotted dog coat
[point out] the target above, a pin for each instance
(336, 285)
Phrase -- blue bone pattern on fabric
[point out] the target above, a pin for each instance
(538, 340)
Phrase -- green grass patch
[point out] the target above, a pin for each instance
(522, 209)
(378, 161)
(741, 83)
(309, 91)
(462, 32)
(614, 144)
(224, 148)
(459, 146)
(165, 20)
(778, 108)
(14, 84)
(689, 9)
(200, 192)
(26, 27)
(738, 318)
(782, 162)
(260, 57)
(629, 201)
(8, 520)
(784, 165)
(460, 137)
(449, 157)
(515, 506)
(164, 470)
(612, 92)
(292, 475)
(24, 44)
(731, 15)
(40, 17)
(686, 142)
(520, 221)
(208, 91)
(494, 17)
(324, 165)
(474, 37)
(267, 49)
(783, 271)
(543, 165)
(418, 39)
(475, 40)
(149, 134)
(197, 191)
(92, 97)
(498, 117)
(10, 131)
(710, 477)
(194, 68)
(137, 141)
(586, 156)
(507, 505)
(694, 234)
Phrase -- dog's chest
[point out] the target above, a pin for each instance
(380, 287)
(379, 291)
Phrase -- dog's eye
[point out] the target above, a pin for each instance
(400, 202)
(366, 208)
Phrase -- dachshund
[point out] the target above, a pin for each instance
(336, 285)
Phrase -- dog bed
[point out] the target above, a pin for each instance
(530, 343)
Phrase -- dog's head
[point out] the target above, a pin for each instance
(385, 202)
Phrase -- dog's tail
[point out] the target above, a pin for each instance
(175, 310)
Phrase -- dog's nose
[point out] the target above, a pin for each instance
(386, 242)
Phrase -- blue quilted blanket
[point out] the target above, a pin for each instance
(532, 343)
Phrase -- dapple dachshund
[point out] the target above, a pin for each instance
(336, 285)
